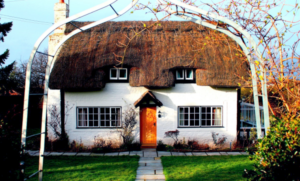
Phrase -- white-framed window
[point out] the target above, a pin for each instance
(184, 74)
(199, 116)
(93, 117)
(118, 74)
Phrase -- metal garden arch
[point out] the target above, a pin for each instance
(52, 59)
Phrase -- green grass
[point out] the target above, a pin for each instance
(85, 168)
(206, 167)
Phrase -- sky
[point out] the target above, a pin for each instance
(31, 18)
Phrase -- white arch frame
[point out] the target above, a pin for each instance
(108, 3)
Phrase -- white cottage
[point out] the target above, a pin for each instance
(179, 76)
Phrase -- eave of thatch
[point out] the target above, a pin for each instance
(152, 57)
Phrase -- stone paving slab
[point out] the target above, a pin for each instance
(163, 153)
(83, 154)
(151, 180)
(147, 158)
(178, 154)
(136, 153)
(199, 154)
(213, 153)
(124, 153)
(150, 177)
(223, 153)
(150, 154)
(150, 161)
(97, 154)
(188, 154)
(233, 153)
(150, 167)
(112, 154)
(150, 164)
(69, 154)
(56, 154)
(244, 153)
(149, 172)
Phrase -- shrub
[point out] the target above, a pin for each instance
(172, 134)
(161, 146)
(101, 146)
(135, 146)
(218, 140)
(277, 156)
(128, 125)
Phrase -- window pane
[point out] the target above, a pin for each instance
(84, 110)
(192, 110)
(107, 117)
(102, 117)
(79, 123)
(203, 116)
(80, 117)
(107, 110)
(208, 122)
(179, 74)
(102, 123)
(197, 116)
(107, 123)
(95, 110)
(91, 117)
(123, 73)
(186, 110)
(113, 117)
(181, 110)
(79, 110)
(189, 74)
(181, 122)
(197, 110)
(203, 123)
(91, 123)
(91, 110)
(113, 123)
(186, 122)
(113, 73)
(203, 109)
(96, 117)
(96, 123)
(186, 116)
(208, 116)
(208, 109)
(192, 116)
(113, 110)
(192, 123)
(197, 123)
(101, 110)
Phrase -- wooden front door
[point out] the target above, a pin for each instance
(148, 127)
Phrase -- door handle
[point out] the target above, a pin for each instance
(154, 124)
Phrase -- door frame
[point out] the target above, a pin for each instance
(156, 115)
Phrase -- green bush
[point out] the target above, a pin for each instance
(277, 156)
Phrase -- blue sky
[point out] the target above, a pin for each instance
(33, 17)
(24, 33)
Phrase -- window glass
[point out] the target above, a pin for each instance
(113, 73)
(123, 73)
(99, 117)
(179, 74)
(189, 74)
(199, 116)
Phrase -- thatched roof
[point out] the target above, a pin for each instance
(152, 56)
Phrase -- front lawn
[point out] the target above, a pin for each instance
(85, 168)
(205, 167)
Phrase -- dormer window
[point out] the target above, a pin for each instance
(185, 74)
(118, 74)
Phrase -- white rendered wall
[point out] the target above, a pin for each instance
(121, 94)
